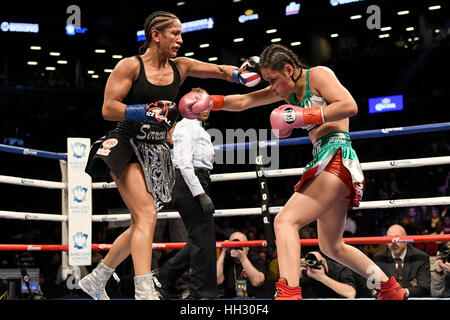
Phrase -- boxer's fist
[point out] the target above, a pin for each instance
(287, 117)
(248, 73)
(193, 103)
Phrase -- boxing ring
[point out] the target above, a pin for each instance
(265, 210)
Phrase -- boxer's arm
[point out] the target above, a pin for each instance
(117, 87)
(195, 68)
(340, 103)
(240, 102)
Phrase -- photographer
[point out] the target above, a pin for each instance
(240, 271)
(325, 278)
(440, 276)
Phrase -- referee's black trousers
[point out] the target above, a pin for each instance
(199, 253)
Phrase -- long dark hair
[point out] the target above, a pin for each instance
(275, 56)
(158, 20)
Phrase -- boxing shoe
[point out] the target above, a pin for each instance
(391, 290)
(284, 292)
(144, 288)
(94, 283)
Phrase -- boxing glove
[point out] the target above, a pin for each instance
(248, 73)
(194, 103)
(287, 117)
(161, 112)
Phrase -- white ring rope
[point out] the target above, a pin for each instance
(33, 182)
(219, 213)
(377, 165)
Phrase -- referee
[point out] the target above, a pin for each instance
(193, 155)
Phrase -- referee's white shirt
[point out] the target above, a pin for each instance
(192, 149)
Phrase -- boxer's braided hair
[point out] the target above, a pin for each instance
(275, 56)
(158, 20)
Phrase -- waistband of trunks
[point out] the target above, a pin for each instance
(142, 131)
(336, 137)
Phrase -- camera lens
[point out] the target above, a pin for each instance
(311, 259)
(444, 253)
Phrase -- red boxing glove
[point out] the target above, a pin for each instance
(287, 117)
(194, 103)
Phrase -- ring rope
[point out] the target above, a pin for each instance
(367, 166)
(219, 213)
(355, 135)
(235, 244)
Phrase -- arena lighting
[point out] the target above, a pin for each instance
(434, 7)
(386, 29)
(19, 27)
(410, 29)
(334, 35)
(99, 50)
(275, 40)
(91, 72)
(358, 16)
(140, 35)
(117, 56)
(55, 54)
(292, 8)
(213, 59)
(271, 31)
(386, 104)
(238, 40)
(50, 68)
(204, 45)
(32, 63)
(107, 70)
(295, 43)
(188, 54)
(35, 48)
(335, 3)
(71, 30)
(202, 24)
(249, 15)
(61, 62)
(402, 13)
(384, 35)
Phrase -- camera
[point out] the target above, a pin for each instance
(444, 254)
(235, 248)
(312, 261)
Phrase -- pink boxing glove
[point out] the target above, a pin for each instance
(287, 117)
(194, 103)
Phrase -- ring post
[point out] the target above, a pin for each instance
(79, 189)
(264, 191)
(64, 224)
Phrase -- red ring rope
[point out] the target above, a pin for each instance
(233, 244)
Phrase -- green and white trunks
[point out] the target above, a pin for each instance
(334, 153)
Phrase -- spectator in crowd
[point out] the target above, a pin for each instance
(435, 219)
(446, 224)
(409, 265)
(413, 225)
(325, 278)
(241, 272)
(440, 274)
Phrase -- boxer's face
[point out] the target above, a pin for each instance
(170, 39)
(279, 81)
